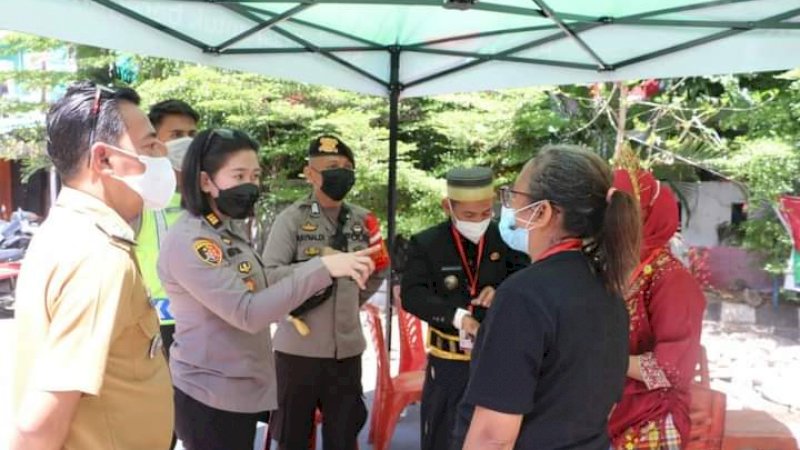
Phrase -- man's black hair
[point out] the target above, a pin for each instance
(73, 121)
(171, 107)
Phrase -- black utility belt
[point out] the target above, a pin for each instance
(445, 346)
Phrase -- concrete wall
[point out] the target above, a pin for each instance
(710, 205)
(732, 269)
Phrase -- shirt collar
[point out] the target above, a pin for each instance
(106, 218)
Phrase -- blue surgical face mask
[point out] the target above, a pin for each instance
(514, 235)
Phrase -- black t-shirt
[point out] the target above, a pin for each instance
(554, 349)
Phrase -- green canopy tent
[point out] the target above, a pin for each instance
(402, 48)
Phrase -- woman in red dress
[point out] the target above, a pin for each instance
(666, 305)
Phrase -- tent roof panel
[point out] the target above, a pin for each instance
(440, 50)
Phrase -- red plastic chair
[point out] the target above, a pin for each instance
(392, 394)
(707, 412)
(412, 343)
(749, 429)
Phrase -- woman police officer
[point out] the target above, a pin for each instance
(221, 361)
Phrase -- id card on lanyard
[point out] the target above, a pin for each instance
(465, 340)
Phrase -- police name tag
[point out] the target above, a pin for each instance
(465, 341)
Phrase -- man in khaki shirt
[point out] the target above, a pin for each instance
(89, 370)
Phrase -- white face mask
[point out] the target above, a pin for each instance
(473, 231)
(176, 151)
(156, 185)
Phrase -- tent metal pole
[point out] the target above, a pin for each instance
(572, 34)
(261, 27)
(152, 23)
(394, 122)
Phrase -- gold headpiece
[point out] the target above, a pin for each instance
(627, 160)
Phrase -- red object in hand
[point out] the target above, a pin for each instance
(373, 227)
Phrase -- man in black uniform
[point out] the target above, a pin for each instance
(451, 273)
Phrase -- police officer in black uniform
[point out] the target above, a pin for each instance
(451, 273)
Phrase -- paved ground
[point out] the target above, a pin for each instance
(755, 369)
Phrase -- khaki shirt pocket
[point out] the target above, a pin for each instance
(309, 249)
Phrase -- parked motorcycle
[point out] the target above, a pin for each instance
(15, 236)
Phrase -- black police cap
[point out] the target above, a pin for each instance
(328, 145)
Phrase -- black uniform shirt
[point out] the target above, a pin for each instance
(435, 284)
(554, 349)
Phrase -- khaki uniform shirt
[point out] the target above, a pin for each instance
(299, 233)
(84, 324)
(222, 354)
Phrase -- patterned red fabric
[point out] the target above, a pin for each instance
(655, 435)
(666, 305)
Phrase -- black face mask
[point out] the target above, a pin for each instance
(336, 183)
(238, 202)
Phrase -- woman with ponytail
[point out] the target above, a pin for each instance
(550, 359)
(666, 307)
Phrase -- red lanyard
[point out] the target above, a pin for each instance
(640, 268)
(472, 277)
(565, 246)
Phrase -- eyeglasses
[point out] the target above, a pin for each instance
(507, 196)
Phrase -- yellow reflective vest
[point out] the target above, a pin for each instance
(151, 233)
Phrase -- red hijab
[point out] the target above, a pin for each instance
(658, 205)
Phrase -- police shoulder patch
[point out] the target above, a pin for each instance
(208, 251)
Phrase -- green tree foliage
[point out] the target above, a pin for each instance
(27, 143)
(710, 120)
(769, 168)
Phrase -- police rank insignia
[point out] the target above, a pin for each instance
(245, 267)
(358, 229)
(308, 226)
(451, 282)
(226, 241)
(328, 145)
(312, 251)
(213, 220)
(208, 251)
(495, 256)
